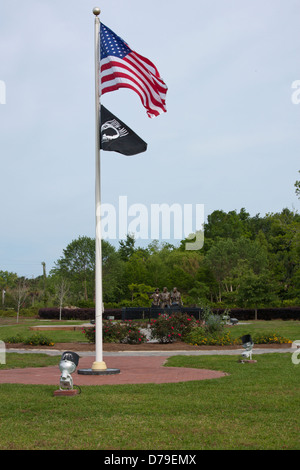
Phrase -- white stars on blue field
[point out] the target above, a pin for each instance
(112, 44)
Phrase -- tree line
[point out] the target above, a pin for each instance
(245, 262)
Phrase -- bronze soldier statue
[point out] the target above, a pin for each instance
(176, 297)
(165, 298)
(155, 298)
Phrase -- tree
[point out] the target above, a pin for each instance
(283, 239)
(297, 186)
(182, 269)
(199, 293)
(140, 294)
(255, 290)
(126, 248)
(62, 288)
(113, 282)
(135, 269)
(230, 259)
(7, 280)
(226, 225)
(19, 294)
(78, 265)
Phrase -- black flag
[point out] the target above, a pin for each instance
(116, 136)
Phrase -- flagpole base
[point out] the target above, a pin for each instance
(98, 371)
(99, 365)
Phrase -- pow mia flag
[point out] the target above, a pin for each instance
(115, 136)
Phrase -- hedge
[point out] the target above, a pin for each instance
(52, 313)
(284, 313)
(280, 313)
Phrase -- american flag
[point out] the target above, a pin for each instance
(121, 67)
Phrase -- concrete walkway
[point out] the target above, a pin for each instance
(211, 352)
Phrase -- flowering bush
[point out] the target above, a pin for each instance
(116, 332)
(89, 334)
(201, 337)
(169, 328)
(270, 338)
(113, 332)
(14, 339)
(134, 336)
(38, 340)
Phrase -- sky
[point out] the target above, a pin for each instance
(229, 139)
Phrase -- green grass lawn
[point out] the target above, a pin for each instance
(8, 327)
(289, 329)
(17, 360)
(255, 407)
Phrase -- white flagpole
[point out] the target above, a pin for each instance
(98, 364)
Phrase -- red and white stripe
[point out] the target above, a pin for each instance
(139, 74)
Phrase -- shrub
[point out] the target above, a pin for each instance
(52, 313)
(201, 337)
(38, 339)
(271, 313)
(89, 334)
(169, 328)
(134, 336)
(14, 339)
(85, 304)
(270, 338)
(35, 340)
(214, 323)
(116, 332)
(113, 332)
(29, 312)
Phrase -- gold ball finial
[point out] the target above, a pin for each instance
(96, 11)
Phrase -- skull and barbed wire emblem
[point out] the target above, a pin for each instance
(112, 130)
